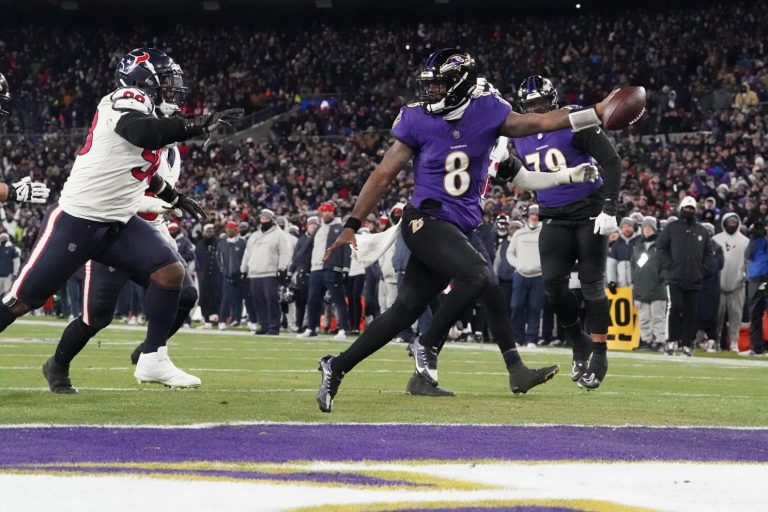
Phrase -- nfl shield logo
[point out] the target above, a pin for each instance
(72, 247)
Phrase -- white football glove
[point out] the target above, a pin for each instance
(151, 204)
(582, 173)
(28, 191)
(605, 224)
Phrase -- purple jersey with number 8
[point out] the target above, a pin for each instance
(449, 163)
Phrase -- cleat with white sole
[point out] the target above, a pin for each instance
(157, 367)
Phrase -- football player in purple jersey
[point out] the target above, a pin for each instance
(447, 134)
(576, 219)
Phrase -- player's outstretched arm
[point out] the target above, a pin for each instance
(150, 132)
(395, 159)
(514, 171)
(521, 125)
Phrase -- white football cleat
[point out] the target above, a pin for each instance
(341, 335)
(222, 326)
(157, 367)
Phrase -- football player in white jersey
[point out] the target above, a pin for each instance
(96, 215)
(24, 190)
(102, 286)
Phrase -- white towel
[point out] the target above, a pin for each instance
(370, 247)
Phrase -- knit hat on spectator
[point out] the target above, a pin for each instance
(231, 224)
(327, 206)
(313, 220)
(4, 237)
(671, 218)
(636, 217)
(516, 224)
(208, 226)
(709, 227)
(627, 220)
(650, 221)
(687, 201)
(268, 213)
(293, 229)
(244, 225)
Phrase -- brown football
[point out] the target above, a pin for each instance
(625, 108)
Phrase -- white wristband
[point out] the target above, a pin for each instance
(583, 119)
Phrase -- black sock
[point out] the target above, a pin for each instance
(6, 317)
(161, 306)
(75, 336)
(599, 348)
(181, 317)
(383, 328)
(511, 357)
(581, 345)
(499, 323)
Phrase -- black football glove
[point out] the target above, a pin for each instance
(189, 205)
(209, 123)
(612, 287)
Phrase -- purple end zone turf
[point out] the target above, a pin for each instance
(282, 443)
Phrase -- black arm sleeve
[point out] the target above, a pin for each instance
(508, 169)
(151, 132)
(595, 143)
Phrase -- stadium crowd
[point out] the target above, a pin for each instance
(704, 134)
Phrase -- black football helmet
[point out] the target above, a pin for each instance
(536, 94)
(454, 72)
(5, 96)
(155, 73)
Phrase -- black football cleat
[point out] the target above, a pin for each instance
(58, 378)
(136, 353)
(522, 378)
(426, 361)
(329, 385)
(595, 374)
(419, 387)
(578, 368)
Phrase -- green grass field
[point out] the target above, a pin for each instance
(250, 378)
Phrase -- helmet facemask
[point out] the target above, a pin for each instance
(536, 95)
(171, 92)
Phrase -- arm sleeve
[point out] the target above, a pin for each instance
(151, 204)
(530, 180)
(612, 270)
(662, 249)
(595, 143)
(149, 132)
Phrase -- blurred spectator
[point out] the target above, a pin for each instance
(648, 291)
(209, 275)
(327, 275)
(683, 254)
(732, 278)
(619, 267)
(265, 263)
(230, 252)
(187, 251)
(527, 287)
(757, 273)
(300, 267)
(709, 298)
(504, 269)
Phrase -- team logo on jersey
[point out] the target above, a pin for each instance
(128, 66)
(417, 225)
(72, 247)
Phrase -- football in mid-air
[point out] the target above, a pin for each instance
(625, 108)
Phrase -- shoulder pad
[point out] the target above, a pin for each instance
(129, 99)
